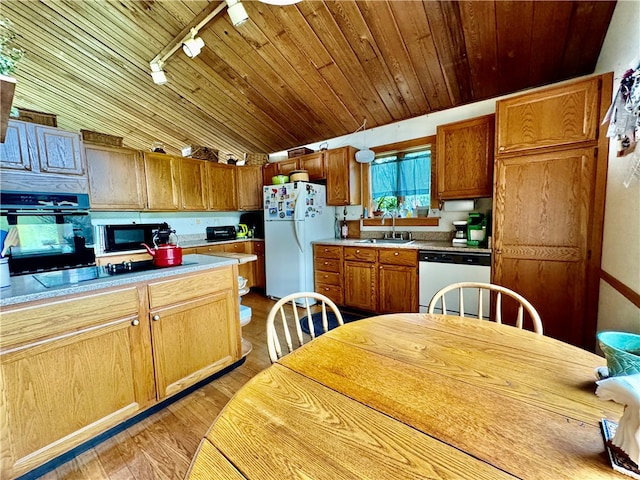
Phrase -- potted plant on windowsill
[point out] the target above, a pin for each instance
(10, 56)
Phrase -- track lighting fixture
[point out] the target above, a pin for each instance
(193, 45)
(237, 13)
(157, 74)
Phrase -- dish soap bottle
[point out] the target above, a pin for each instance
(344, 229)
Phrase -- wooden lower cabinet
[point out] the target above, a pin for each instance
(74, 367)
(192, 335)
(259, 276)
(381, 280)
(70, 370)
(397, 280)
(327, 270)
(360, 278)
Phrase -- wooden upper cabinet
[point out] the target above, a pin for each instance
(16, 153)
(59, 151)
(222, 187)
(249, 178)
(116, 178)
(269, 170)
(193, 184)
(556, 116)
(343, 176)
(286, 166)
(314, 164)
(464, 157)
(30, 147)
(161, 175)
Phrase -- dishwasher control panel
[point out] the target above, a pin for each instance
(463, 258)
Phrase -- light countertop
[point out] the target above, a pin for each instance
(413, 245)
(25, 288)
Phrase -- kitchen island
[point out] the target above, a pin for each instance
(78, 361)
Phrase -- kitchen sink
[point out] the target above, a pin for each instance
(385, 240)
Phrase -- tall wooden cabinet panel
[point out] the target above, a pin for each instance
(222, 187)
(553, 117)
(193, 336)
(249, 178)
(465, 158)
(161, 174)
(193, 184)
(70, 370)
(260, 279)
(343, 176)
(549, 205)
(116, 178)
(59, 151)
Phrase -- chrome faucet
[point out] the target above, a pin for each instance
(393, 222)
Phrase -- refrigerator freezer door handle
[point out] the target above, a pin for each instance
(296, 229)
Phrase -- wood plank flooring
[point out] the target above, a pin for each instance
(162, 446)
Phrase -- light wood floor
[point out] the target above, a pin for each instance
(162, 445)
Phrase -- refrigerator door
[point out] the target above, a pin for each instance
(284, 261)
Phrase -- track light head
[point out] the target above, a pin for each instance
(157, 74)
(193, 45)
(237, 13)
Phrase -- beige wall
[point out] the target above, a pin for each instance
(621, 242)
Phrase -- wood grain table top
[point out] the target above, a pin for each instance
(415, 396)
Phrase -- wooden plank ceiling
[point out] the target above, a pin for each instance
(290, 75)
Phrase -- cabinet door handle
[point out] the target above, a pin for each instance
(396, 253)
(501, 149)
(135, 322)
(155, 318)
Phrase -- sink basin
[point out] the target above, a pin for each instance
(385, 240)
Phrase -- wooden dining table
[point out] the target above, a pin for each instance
(416, 396)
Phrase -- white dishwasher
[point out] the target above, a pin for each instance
(439, 268)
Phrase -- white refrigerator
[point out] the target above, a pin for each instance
(295, 214)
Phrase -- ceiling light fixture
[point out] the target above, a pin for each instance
(157, 74)
(365, 155)
(237, 13)
(193, 45)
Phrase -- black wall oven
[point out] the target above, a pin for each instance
(123, 238)
(54, 231)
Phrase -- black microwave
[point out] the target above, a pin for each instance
(122, 238)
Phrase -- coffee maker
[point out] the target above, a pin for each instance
(476, 229)
(460, 234)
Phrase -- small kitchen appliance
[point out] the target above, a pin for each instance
(243, 231)
(476, 229)
(460, 234)
(167, 254)
(221, 233)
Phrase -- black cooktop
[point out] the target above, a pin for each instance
(77, 275)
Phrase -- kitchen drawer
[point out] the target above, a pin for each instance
(188, 287)
(327, 251)
(237, 247)
(363, 254)
(30, 323)
(330, 278)
(334, 292)
(327, 265)
(210, 249)
(398, 256)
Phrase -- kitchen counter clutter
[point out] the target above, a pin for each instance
(80, 360)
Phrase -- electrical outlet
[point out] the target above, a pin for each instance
(434, 212)
(197, 221)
